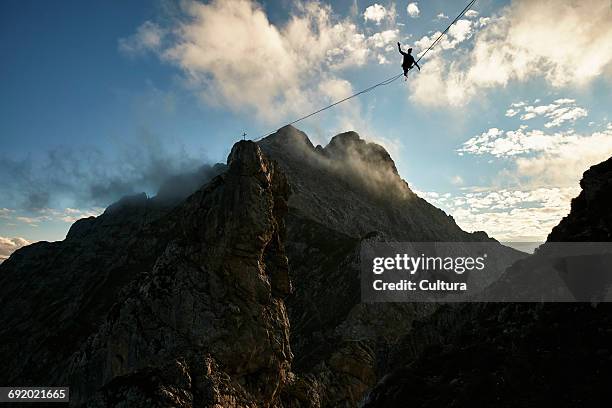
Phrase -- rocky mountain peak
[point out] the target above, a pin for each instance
(590, 218)
(346, 149)
(350, 146)
(246, 158)
(185, 299)
(184, 310)
(289, 139)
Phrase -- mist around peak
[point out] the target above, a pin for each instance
(363, 164)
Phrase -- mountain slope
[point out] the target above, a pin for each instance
(146, 303)
(353, 187)
(514, 354)
(343, 193)
(184, 298)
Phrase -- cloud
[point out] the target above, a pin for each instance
(383, 39)
(521, 43)
(561, 111)
(564, 164)
(508, 214)
(413, 10)
(457, 33)
(148, 37)
(512, 112)
(540, 174)
(87, 177)
(498, 143)
(10, 245)
(71, 215)
(43, 215)
(231, 55)
(471, 14)
(542, 159)
(562, 115)
(382, 60)
(359, 162)
(441, 16)
(375, 13)
(457, 180)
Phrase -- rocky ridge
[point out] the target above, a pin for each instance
(514, 354)
(189, 303)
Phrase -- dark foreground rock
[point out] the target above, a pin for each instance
(514, 354)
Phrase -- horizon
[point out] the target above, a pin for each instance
(106, 100)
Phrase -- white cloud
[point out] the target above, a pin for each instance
(441, 16)
(561, 111)
(148, 37)
(528, 39)
(233, 56)
(517, 215)
(457, 180)
(68, 215)
(10, 245)
(528, 116)
(383, 38)
(382, 59)
(512, 112)
(564, 164)
(471, 14)
(413, 10)
(457, 33)
(542, 159)
(540, 174)
(563, 101)
(498, 143)
(562, 115)
(71, 215)
(375, 13)
(31, 221)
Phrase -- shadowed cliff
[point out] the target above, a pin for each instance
(514, 354)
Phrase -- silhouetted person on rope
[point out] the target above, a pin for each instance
(409, 61)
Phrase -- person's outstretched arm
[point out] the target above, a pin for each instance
(399, 47)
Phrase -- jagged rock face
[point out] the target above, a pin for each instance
(211, 308)
(199, 322)
(54, 295)
(353, 187)
(341, 194)
(514, 354)
(590, 218)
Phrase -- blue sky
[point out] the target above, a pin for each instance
(108, 98)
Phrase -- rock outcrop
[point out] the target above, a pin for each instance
(342, 194)
(352, 186)
(201, 323)
(54, 295)
(514, 354)
(590, 218)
